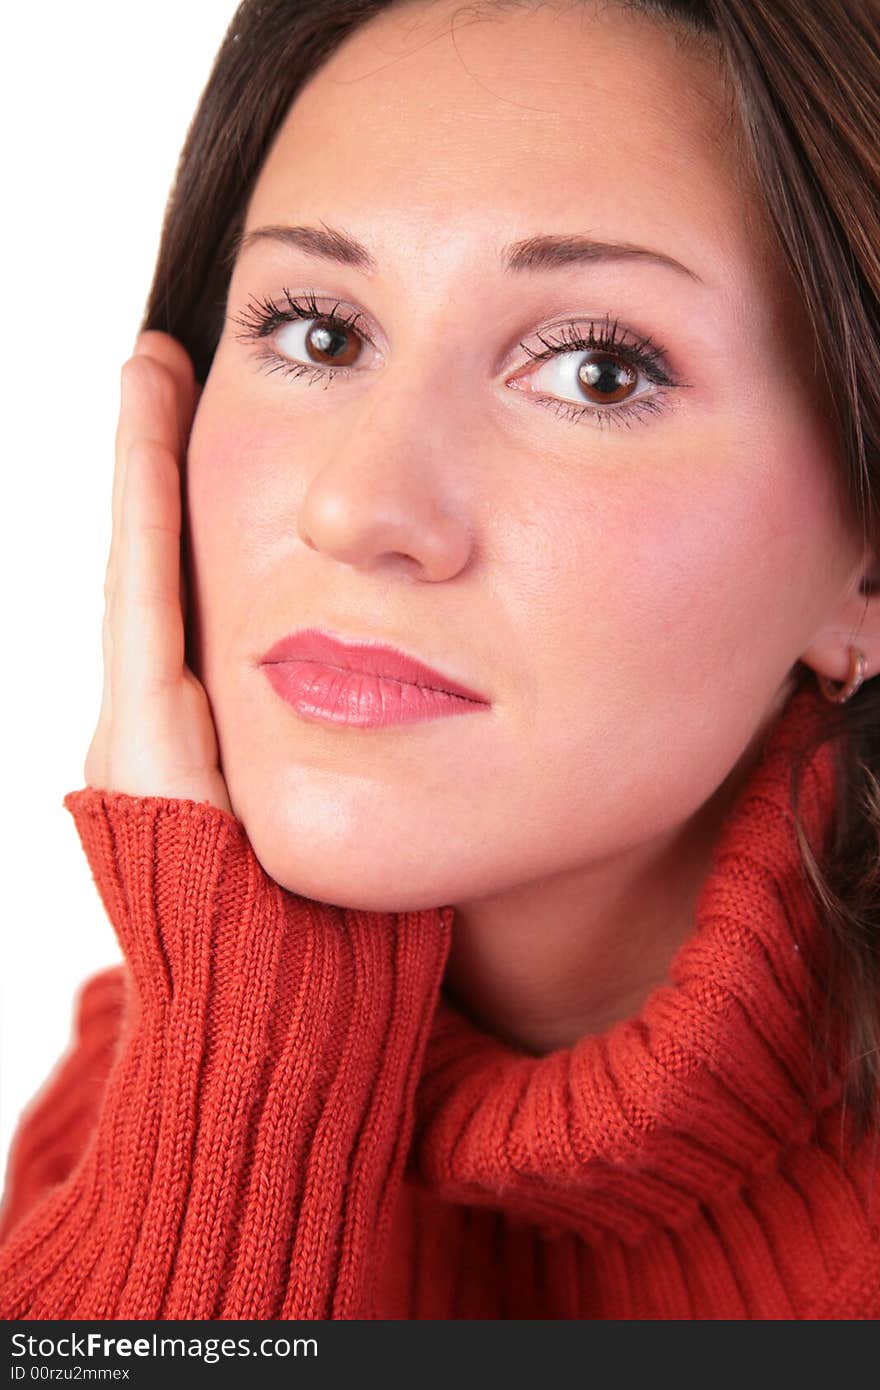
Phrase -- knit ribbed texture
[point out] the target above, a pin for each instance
(272, 1109)
(257, 1114)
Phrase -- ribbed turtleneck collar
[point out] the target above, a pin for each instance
(700, 1088)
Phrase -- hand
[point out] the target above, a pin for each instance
(155, 734)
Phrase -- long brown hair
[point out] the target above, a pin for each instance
(806, 85)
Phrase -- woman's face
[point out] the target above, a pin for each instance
(626, 563)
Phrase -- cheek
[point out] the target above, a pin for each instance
(240, 498)
(732, 569)
(656, 620)
(700, 574)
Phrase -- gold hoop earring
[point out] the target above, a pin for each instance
(838, 693)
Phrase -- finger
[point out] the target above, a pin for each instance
(169, 389)
(159, 403)
(97, 749)
(148, 409)
(95, 758)
(147, 629)
(161, 347)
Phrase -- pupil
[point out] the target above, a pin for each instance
(606, 375)
(330, 341)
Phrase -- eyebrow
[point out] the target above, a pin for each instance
(536, 253)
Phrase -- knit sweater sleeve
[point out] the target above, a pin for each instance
(250, 1140)
(55, 1128)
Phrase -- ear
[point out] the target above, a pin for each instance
(854, 622)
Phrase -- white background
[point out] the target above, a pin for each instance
(98, 97)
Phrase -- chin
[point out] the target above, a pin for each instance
(306, 863)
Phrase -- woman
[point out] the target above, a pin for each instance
(419, 261)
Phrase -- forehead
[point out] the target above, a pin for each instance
(434, 128)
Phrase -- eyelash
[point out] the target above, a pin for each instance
(264, 317)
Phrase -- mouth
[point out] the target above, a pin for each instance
(362, 684)
(367, 658)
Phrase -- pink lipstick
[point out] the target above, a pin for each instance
(362, 684)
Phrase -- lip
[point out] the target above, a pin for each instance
(365, 683)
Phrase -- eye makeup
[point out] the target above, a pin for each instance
(604, 340)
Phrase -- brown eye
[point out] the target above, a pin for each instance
(607, 379)
(591, 376)
(320, 341)
(331, 345)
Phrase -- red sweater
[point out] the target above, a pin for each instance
(271, 1109)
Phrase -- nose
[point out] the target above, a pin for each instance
(384, 499)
